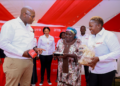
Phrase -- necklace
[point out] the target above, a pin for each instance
(67, 44)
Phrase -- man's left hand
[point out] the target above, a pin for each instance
(37, 58)
(93, 62)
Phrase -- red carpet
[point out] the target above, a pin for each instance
(53, 78)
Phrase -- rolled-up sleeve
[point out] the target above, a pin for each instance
(6, 38)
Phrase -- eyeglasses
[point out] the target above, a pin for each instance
(30, 15)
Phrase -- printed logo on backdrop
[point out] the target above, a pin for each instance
(55, 63)
(57, 30)
(37, 29)
(63, 30)
(56, 36)
(54, 70)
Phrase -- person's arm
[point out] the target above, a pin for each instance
(7, 35)
(53, 46)
(72, 56)
(114, 47)
(57, 49)
(35, 42)
(38, 48)
(58, 42)
(39, 42)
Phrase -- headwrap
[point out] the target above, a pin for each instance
(72, 30)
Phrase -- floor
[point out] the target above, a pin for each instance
(53, 78)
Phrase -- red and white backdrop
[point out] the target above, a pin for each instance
(59, 14)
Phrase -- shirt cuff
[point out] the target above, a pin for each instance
(20, 53)
(101, 58)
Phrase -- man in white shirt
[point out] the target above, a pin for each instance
(84, 38)
(16, 40)
(107, 50)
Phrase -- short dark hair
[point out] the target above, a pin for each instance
(61, 34)
(46, 28)
(98, 19)
(83, 26)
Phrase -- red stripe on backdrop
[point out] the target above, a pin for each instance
(5, 14)
(113, 24)
(68, 12)
(1, 24)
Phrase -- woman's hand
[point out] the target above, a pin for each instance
(72, 56)
(55, 57)
(93, 62)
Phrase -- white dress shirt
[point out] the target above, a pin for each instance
(84, 39)
(16, 38)
(107, 48)
(35, 42)
(58, 42)
(46, 43)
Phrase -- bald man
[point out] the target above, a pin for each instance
(17, 38)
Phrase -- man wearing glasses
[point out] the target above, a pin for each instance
(17, 38)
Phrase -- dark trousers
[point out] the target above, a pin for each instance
(34, 74)
(102, 79)
(86, 69)
(45, 64)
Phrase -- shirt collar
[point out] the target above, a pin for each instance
(83, 35)
(48, 36)
(19, 20)
(101, 32)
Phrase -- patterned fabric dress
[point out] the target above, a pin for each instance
(73, 77)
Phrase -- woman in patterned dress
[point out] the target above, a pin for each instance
(69, 71)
